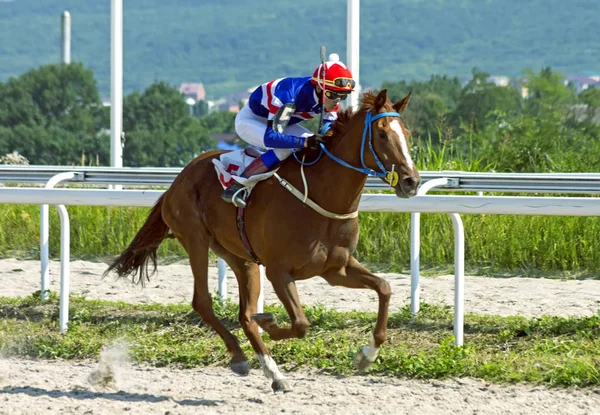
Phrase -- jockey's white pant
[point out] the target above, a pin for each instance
(251, 128)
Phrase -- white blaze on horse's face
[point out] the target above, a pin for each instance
(395, 126)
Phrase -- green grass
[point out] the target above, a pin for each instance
(526, 245)
(553, 351)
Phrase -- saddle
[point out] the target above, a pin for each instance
(229, 166)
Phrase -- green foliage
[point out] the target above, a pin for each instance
(547, 93)
(52, 115)
(591, 97)
(479, 99)
(484, 126)
(233, 45)
(159, 130)
(429, 102)
(219, 122)
(95, 231)
(158, 108)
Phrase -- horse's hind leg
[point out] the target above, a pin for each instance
(354, 275)
(248, 276)
(197, 249)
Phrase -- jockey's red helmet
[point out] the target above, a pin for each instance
(337, 75)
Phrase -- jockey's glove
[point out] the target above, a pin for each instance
(313, 141)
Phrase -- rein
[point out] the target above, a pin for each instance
(389, 176)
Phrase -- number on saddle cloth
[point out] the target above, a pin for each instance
(233, 163)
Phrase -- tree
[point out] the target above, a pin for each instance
(479, 100)
(54, 114)
(547, 93)
(159, 130)
(429, 101)
(219, 122)
(591, 97)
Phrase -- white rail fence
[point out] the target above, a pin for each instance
(579, 183)
(570, 183)
(557, 206)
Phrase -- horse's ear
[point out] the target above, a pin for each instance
(380, 100)
(401, 105)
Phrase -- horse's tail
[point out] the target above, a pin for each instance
(135, 259)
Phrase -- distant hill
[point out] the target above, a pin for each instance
(230, 45)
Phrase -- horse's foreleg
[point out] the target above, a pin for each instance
(248, 276)
(354, 275)
(285, 288)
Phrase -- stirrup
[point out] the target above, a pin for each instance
(235, 194)
(239, 198)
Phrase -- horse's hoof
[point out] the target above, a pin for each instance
(240, 368)
(262, 316)
(264, 321)
(281, 385)
(361, 361)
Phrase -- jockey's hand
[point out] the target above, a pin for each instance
(313, 142)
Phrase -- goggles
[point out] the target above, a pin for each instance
(344, 83)
(335, 96)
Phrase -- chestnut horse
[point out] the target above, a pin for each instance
(290, 238)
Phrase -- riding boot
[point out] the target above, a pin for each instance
(256, 167)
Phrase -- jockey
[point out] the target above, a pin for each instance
(254, 122)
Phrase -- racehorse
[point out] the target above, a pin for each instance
(295, 239)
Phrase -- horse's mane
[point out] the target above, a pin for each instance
(342, 123)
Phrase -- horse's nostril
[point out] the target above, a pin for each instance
(411, 182)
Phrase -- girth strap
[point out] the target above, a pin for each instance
(243, 236)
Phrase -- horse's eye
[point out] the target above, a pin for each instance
(382, 134)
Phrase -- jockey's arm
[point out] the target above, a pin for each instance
(273, 139)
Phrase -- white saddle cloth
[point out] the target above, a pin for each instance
(229, 166)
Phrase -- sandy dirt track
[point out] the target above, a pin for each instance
(31, 387)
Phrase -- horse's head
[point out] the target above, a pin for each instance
(386, 149)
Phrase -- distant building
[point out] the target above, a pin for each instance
(234, 101)
(499, 80)
(582, 82)
(193, 90)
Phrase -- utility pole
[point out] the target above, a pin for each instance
(65, 51)
(353, 48)
(116, 84)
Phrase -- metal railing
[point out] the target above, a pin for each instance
(568, 183)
